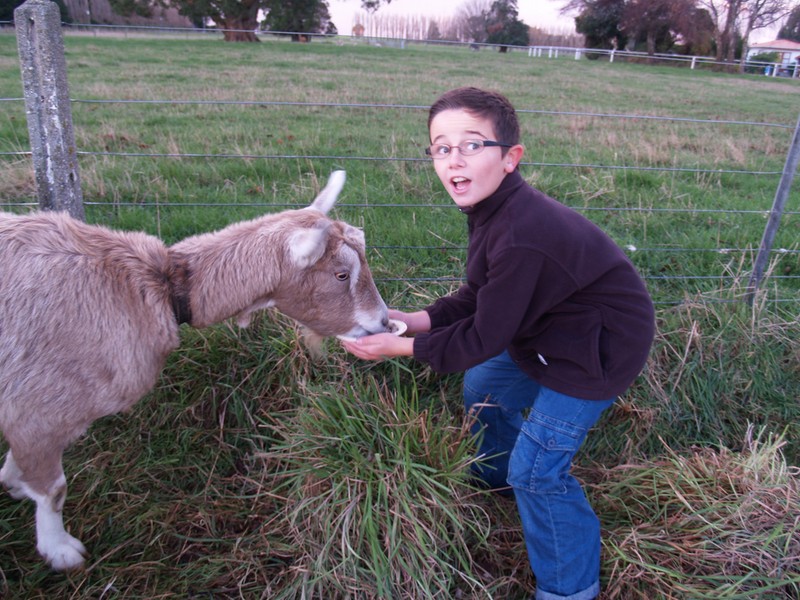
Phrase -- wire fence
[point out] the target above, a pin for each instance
(681, 285)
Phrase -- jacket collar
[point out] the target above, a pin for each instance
(481, 212)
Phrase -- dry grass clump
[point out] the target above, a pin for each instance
(702, 524)
(17, 183)
(715, 367)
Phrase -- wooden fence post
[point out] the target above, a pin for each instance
(774, 221)
(44, 83)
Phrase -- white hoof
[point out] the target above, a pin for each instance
(63, 553)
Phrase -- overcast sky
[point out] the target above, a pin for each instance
(535, 13)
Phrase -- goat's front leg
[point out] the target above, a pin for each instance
(61, 550)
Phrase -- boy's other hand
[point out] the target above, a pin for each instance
(417, 322)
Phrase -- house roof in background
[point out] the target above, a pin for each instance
(786, 45)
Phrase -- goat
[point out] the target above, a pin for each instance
(89, 315)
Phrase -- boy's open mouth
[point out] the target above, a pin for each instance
(459, 183)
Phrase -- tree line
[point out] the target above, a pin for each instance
(493, 21)
(474, 21)
(484, 21)
(719, 28)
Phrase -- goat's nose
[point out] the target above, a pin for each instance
(385, 322)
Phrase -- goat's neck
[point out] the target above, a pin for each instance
(229, 272)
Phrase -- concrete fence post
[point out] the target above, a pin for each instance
(774, 221)
(47, 107)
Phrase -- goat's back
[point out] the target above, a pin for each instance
(85, 318)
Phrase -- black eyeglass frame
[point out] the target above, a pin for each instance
(483, 144)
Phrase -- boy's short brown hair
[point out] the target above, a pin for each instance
(485, 105)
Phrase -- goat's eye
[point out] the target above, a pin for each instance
(342, 275)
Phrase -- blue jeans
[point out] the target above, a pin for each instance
(534, 456)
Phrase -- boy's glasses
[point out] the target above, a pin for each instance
(465, 148)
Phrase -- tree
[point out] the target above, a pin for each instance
(299, 17)
(660, 23)
(503, 26)
(791, 29)
(472, 18)
(697, 33)
(433, 31)
(599, 21)
(735, 20)
(651, 21)
(725, 15)
(238, 19)
(7, 8)
(759, 14)
(697, 27)
(373, 5)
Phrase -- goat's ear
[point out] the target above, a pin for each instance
(307, 245)
(328, 195)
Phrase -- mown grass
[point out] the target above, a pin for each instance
(253, 472)
(670, 196)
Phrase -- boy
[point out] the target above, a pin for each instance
(553, 319)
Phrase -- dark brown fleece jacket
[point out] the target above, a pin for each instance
(549, 286)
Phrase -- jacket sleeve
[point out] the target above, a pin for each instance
(501, 305)
(452, 308)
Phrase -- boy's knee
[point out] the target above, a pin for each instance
(542, 457)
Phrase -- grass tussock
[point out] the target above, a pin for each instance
(718, 366)
(702, 524)
(376, 500)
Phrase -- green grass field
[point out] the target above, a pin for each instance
(252, 471)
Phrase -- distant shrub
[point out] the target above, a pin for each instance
(754, 62)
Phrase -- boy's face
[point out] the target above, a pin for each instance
(470, 179)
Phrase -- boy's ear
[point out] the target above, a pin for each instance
(512, 157)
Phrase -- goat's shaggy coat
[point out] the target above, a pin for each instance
(88, 316)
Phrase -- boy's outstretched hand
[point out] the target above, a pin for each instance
(380, 346)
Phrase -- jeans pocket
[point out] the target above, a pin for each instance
(542, 457)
